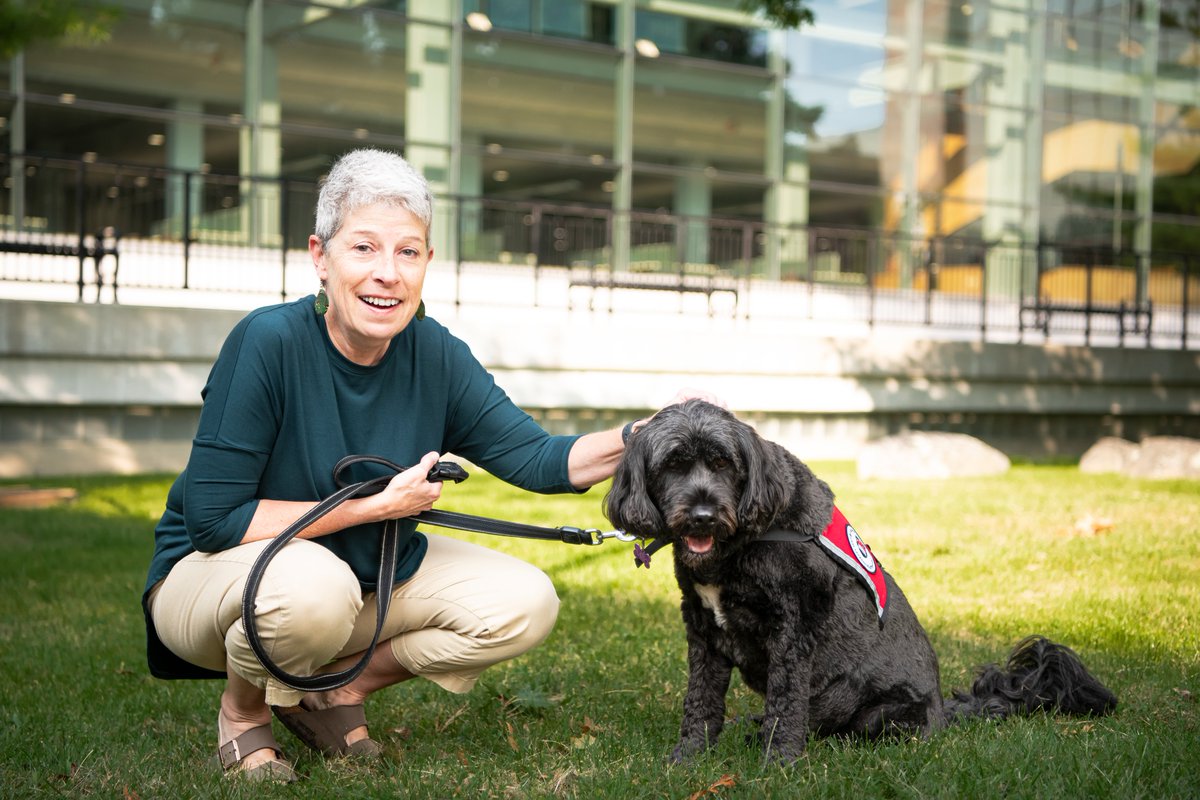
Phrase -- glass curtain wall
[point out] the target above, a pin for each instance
(1005, 122)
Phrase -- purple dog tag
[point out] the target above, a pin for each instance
(640, 556)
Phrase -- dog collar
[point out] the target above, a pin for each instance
(842, 543)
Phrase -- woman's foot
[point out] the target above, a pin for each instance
(333, 730)
(250, 751)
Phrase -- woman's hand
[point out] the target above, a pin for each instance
(410, 492)
(594, 456)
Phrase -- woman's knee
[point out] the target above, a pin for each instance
(534, 604)
(308, 596)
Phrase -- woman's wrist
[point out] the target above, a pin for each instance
(630, 429)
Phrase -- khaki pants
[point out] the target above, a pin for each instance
(466, 608)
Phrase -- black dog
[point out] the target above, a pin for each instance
(822, 632)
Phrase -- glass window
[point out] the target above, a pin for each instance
(322, 112)
(868, 17)
(1177, 237)
(700, 118)
(1177, 161)
(700, 38)
(538, 114)
(176, 59)
(845, 207)
(1103, 40)
(565, 18)
(667, 31)
(961, 24)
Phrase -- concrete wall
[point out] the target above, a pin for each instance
(116, 388)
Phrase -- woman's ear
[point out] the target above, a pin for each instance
(316, 251)
(628, 504)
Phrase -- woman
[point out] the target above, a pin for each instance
(296, 387)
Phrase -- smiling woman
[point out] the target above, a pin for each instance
(296, 387)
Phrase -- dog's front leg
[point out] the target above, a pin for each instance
(784, 729)
(704, 704)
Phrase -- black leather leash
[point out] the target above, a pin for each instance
(385, 582)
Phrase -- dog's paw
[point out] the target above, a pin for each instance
(778, 745)
(782, 756)
(686, 751)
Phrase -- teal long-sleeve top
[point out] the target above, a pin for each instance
(282, 405)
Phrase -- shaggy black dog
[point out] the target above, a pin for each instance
(824, 634)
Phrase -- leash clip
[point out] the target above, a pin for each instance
(591, 536)
(620, 536)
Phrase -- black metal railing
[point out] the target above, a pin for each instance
(92, 229)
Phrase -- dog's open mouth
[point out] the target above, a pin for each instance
(698, 544)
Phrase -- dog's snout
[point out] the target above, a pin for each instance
(703, 515)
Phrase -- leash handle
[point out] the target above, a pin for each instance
(385, 580)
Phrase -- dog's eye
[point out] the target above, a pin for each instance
(718, 463)
(676, 462)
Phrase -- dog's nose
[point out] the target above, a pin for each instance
(702, 515)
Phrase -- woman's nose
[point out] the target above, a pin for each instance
(387, 269)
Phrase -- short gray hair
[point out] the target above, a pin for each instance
(365, 177)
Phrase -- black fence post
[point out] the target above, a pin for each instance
(80, 210)
(459, 228)
(934, 252)
(535, 245)
(983, 290)
(1087, 282)
(743, 276)
(283, 238)
(812, 238)
(1187, 278)
(186, 229)
(872, 255)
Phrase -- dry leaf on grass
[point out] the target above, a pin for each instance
(723, 782)
(1090, 525)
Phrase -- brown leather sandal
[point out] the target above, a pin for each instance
(325, 729)
(231, 753)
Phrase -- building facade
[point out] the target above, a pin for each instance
(897, 163)
(1004, 121)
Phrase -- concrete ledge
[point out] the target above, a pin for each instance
(116, 388)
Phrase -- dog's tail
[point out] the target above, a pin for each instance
(1040, 675)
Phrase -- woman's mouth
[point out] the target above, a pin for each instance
(380, 302)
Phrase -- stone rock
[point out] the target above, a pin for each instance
(930, 454)
(1109, 454)
(1166, 457)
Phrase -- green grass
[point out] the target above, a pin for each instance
(594, 710)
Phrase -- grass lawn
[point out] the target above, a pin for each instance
(593, 712)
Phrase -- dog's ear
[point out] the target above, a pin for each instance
(628, 505)
(766, 488)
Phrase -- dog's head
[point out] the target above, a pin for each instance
(700, 477)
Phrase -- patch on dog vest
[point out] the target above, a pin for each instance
(845, 546)
(842, 542)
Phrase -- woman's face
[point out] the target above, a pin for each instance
(373, 269)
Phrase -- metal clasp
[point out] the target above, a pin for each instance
(620, 536)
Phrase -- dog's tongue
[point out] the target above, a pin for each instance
(699, 544)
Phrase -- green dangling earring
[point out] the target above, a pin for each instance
(321, 305)
(421, 311)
